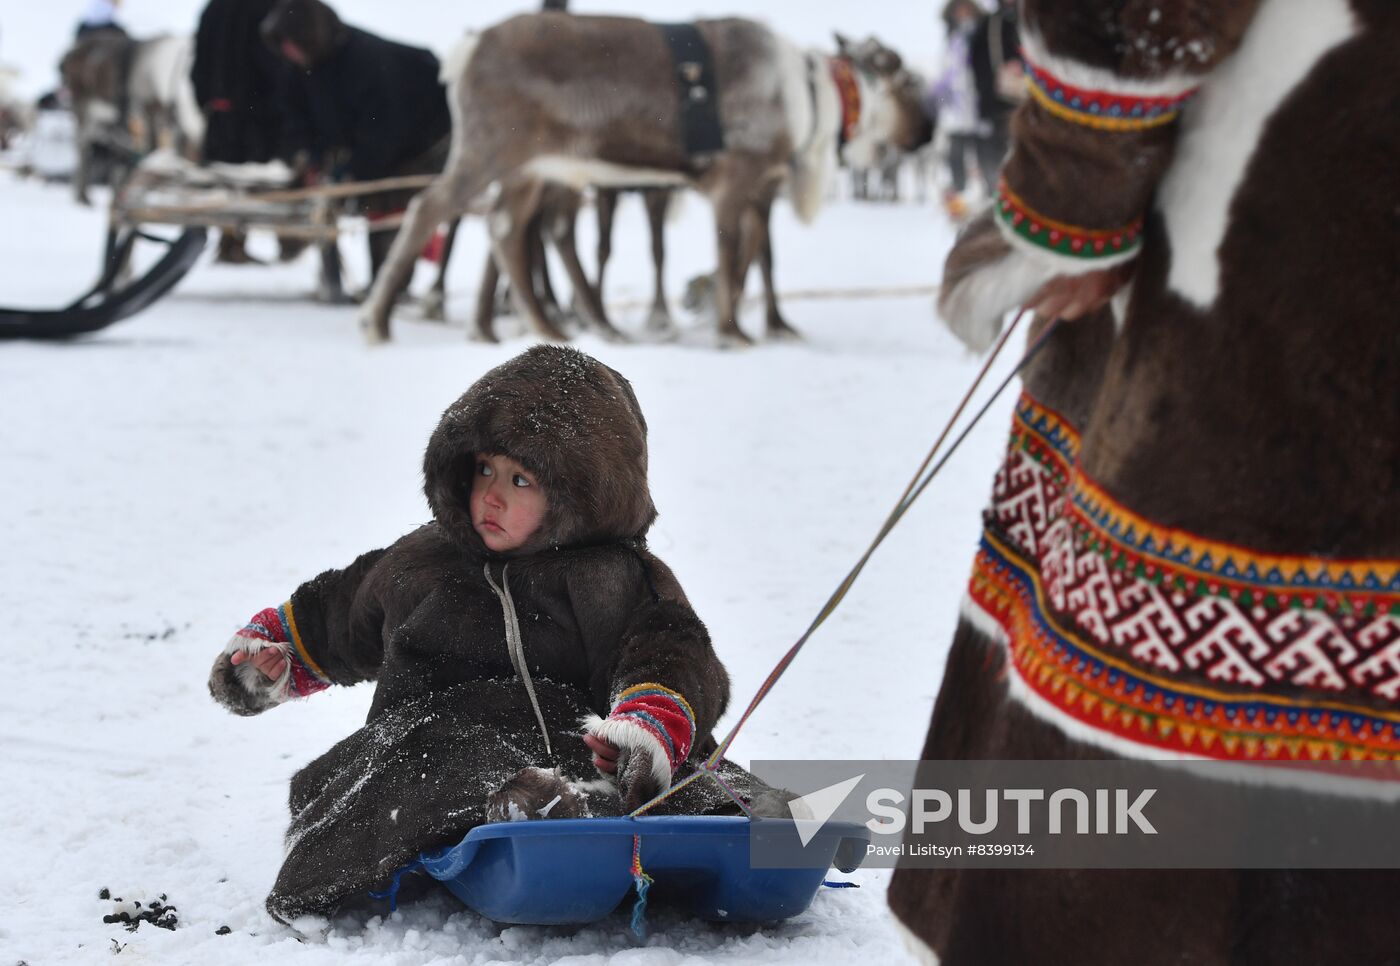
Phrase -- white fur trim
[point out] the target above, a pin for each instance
(253, 680)
(982, 622)
(976, 307)
(1078, 74)
(1221, 129)
(813, 114)
(454, 65)
(921, 951)
(1201, 765)
(630, 736)
(579, 173)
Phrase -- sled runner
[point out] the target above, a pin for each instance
(109, 300)
(166, 190)
(571, 871)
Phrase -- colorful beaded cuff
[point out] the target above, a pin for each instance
(278, 625)
(663, 713)
(1085, 244)
(1100, 109)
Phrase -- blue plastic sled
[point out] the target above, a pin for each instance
(579, 870)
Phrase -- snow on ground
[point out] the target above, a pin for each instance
(167, 478)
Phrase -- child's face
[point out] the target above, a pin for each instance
(508, 504)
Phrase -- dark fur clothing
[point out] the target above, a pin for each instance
(377, 101)
(417, 779)
(597, 614)
(240, 84)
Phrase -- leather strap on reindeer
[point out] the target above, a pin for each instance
(843, 75)
(697, 90)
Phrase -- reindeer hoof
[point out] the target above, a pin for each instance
(482, 335)
(659, 321)
(373, 332)
(783, 333)
(434, 308)
(734, 339)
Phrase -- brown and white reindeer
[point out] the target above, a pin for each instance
(1193, 548)
(114, 79)
(585, 101)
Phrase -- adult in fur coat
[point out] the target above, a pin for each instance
(361, 105)
(487, 662)
(1225, 171)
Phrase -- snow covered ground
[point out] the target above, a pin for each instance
(166, 478)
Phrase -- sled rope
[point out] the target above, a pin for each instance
(516, 648)
(920, 481)
(392, 893)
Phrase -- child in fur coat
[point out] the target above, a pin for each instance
(529, 606)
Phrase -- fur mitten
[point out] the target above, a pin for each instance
(984, 278)
(652, 728)
(242, 688)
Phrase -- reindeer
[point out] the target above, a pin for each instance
(161, 94)
(112, 78)
(94, 72)
(549, 98)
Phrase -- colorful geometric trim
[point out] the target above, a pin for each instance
(1180, 560)
(1109, 614)
(289, 621)
(1101, 110)
(848, 91)
(1112, 695)
(1040, 429)
(1080, 243)
(278, 626)
(664, 713)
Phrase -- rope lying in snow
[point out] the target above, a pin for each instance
(920, 481)
(812, 295)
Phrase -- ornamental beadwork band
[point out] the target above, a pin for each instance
(1101, 110)
(1085, 244)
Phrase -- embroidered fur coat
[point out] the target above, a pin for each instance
(1192, 548)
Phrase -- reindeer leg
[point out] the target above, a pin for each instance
(435, 304)
(561, 230)
(82, 173)
(777, 327)
(446, 198)
(510, 231)
(484, 328)
(729, 280)
(657, 200)
(605, 200)
(539, 273)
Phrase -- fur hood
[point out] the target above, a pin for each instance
(568, 419)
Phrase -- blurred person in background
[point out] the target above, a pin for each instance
(999, 74)
(99, 15)
(239, 85)
(955, 93)
(365, 107)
